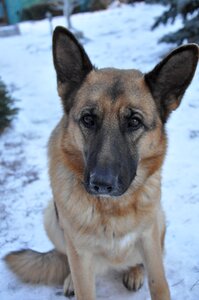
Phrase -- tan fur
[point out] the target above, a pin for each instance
(49, 268)
(95, 229)
(94, 233)
(99, 233)
(133, 279)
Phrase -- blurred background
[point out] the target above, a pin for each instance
(121, 34)
(14, 11)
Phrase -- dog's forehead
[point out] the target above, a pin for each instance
(114, 85)
(114, 82)
(116, 88)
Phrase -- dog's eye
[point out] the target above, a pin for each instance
(134, 123)
(89, 121)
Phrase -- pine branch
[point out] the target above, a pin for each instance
(7, 109)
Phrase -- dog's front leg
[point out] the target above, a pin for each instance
(82, 271)
(152, 251)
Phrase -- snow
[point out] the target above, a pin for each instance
(118, 37)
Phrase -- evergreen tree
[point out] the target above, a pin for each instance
(189, 11)
(7, 111)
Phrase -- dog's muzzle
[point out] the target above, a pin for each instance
(105, 182)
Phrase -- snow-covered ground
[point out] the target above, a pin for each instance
(119, 37)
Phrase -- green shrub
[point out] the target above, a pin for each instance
(188, 11)
(7, 109)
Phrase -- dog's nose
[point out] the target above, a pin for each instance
(101, 183)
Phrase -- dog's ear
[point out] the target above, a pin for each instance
(71, 62)
(169, 80)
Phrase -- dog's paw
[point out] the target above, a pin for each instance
(133, 279)
(68, 286)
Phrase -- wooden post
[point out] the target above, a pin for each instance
(5, 12)
(49, 16)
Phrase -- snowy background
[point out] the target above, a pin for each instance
(118, 37)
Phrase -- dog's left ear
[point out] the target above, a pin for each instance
(71, 62)
(169, 80)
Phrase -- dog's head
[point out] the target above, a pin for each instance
(114, 119)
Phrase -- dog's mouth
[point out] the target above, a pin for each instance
(103, 191)
(107, 186)
(109, 178)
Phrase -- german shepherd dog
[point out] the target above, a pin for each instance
(105, 161)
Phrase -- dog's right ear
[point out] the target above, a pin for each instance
(71, 62)
(169, 80)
